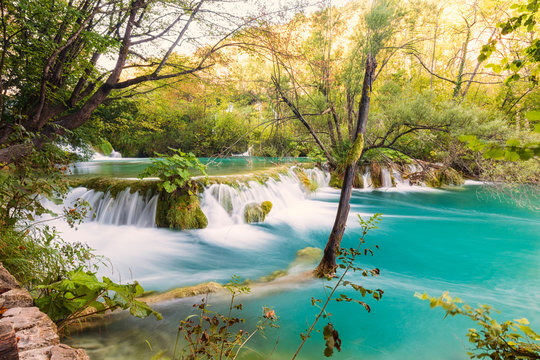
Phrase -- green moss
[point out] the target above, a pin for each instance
(376, 175)
(440, 177)
(180, 210)
(307, 255)
(103, 147)
(355, 152)
(273, 276)
(254, 213)
(306, 182)
(183, 292)
(358, 181)
(115, 185)
(266, 207)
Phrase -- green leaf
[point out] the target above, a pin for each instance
(533, 115)
(513, 142)
(511, 155)
(495, 153)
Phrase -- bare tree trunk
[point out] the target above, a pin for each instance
(459, 79)
(331, 130)
(350, 115)
(300, 117)
(434, 48)
(328, 265)
(336, 122)
(475, 71)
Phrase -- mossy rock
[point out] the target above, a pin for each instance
(308, 255)
(307, 183)
(273, 276)
(115, 185)
(376, 175)
(180, 211)
(254, 213)
(358, 181)
(183, 292)
(267, 207)
(440, 177)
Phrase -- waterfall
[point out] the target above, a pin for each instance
(366, 179)
(386, 178)
(400, 182)
(225, 204)
(125, 209)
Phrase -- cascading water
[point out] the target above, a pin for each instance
(386, 178)
(224, 204)
(400, 182)
(125, 209)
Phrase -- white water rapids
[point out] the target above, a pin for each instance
(222, 204)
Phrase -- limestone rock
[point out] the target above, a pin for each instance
(8, 343)
(7, 282)
(36, 354)
(64, 352)
(17, 298)
(40, 336)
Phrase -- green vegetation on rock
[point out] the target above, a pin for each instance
(180, 211)
(266, 207)
(115, 185)
(307, 183)
(437, 178)
(103, 147)
(254, 213)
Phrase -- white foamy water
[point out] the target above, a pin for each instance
(125, 209)
(224, 204)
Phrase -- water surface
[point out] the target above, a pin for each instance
(132, 167)
(480, 249)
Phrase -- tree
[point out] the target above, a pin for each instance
(51, 61)
(328, 262)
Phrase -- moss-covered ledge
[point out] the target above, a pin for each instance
(115, 185)
(178, 210)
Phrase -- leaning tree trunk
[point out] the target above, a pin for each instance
(328, 265)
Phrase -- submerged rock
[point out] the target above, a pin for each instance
(184, 292)
(307, 255)
(273, 276)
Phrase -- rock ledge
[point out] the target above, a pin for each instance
(25, 332)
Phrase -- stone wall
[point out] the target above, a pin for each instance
(23, 326)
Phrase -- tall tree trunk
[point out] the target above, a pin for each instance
(434, 48)
(350, 115)
(475, 71)
(328, 265)
(459, 79)
(331, 130)
(336, 122)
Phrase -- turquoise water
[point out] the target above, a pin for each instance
(461, 240)
(132, 167)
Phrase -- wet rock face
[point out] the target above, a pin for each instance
(25, 332)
